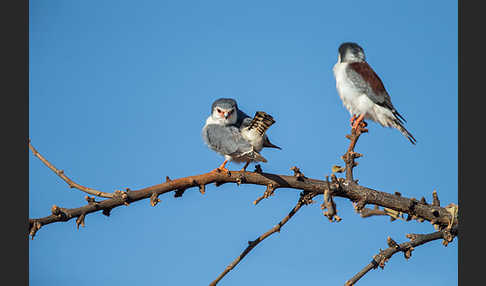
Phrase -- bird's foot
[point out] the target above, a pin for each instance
(358, 122)
(360, 128)
(221, 169)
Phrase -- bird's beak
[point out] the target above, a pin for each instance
(226, 115)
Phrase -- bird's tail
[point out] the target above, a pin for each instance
(261, 122)
(268, 144)
(398, 125)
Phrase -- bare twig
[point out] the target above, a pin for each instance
(393, 214)
(407, 247)
(329, 204)
(268, 193)
(305, 198)
(61, 174)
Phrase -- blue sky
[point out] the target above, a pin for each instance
(119, 92)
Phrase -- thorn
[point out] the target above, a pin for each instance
(422, 201)
(167, 179)
(392, 243)
(436, 201)
(59, 212)
(297, 173)
(411, 236)
(408, 253)
(258, 169)
(337, 169)
(55, 210)
(154, 199)
(107, 212)
(89, 199)
(35, 226)
(334, 179)
(80, 220)
(202, 189)
(179, 192)
(398, 194)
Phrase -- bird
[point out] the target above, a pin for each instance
(232, 133)
(362, 91)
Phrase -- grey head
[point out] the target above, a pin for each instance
(350, 52)
(224, 111)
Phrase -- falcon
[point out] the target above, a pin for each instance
(362, 91)
(235, 135)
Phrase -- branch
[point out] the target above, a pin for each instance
(71, 183)
(362, 195)
(350, 155)
(407, 247)
(305, 198)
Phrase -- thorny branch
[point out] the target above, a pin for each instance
(395, 205)
(305, 198)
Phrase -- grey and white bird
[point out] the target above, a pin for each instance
(235, 135)
(362, 91)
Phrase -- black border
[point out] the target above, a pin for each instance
(15, 130)
(470, 154)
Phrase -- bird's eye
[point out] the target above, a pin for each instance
(231, 111)
(219, 110)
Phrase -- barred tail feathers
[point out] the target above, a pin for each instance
(261, 122)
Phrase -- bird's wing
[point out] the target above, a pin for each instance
(368, 82)
(243, 120)
(226, 140)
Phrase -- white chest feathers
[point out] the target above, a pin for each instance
(355, 101)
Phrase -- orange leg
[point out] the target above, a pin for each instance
(352, 119)
(222, 167)
(244, 167)
(358, 121)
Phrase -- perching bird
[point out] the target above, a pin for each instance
(235, 135)
(363, 92)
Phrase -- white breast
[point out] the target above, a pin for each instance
(355, 102)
